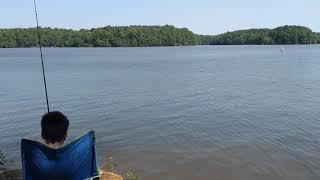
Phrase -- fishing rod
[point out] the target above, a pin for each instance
(41, 54)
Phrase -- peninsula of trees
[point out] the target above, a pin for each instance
(141, 36)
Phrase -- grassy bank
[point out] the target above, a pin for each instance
(108, 172)
(11, 175)
(17, 175)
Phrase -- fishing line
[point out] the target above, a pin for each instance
(41, 55)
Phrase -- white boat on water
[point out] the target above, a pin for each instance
(282, 49)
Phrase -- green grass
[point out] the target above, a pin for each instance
(111, 167)
(131, 176)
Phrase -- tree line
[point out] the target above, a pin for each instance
(122, 36)
(141, 36)
(280, 35)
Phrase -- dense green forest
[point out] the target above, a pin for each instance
(140, 36)
(122, 36)
(280, 35)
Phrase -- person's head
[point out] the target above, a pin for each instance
(54, 126)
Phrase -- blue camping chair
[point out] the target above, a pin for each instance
(75, 161)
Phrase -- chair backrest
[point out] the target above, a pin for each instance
(75, 161)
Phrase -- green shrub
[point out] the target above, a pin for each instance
(3, 160)
(131, 176)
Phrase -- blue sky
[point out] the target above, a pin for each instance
(200, 16)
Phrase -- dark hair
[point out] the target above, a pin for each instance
(54, 126)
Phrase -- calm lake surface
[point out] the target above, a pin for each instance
(211, 112)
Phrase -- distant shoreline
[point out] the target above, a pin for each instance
(262, 45)
(153, 36)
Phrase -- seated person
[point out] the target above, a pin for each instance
(76, 160)
(52, 160)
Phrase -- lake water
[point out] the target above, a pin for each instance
(211, 112)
